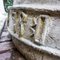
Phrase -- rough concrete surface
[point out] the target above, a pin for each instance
(55, 2)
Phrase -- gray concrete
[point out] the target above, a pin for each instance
(37, 1)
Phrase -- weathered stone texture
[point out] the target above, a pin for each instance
(53, 37)
(7, 48)
(32, 54)
(37, 1)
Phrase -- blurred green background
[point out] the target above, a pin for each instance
(7, 3)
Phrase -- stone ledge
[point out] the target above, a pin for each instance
(42, 48)
(33, 6)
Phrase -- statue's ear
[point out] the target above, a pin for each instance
(7, 3)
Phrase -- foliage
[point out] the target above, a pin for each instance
(7, 3)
